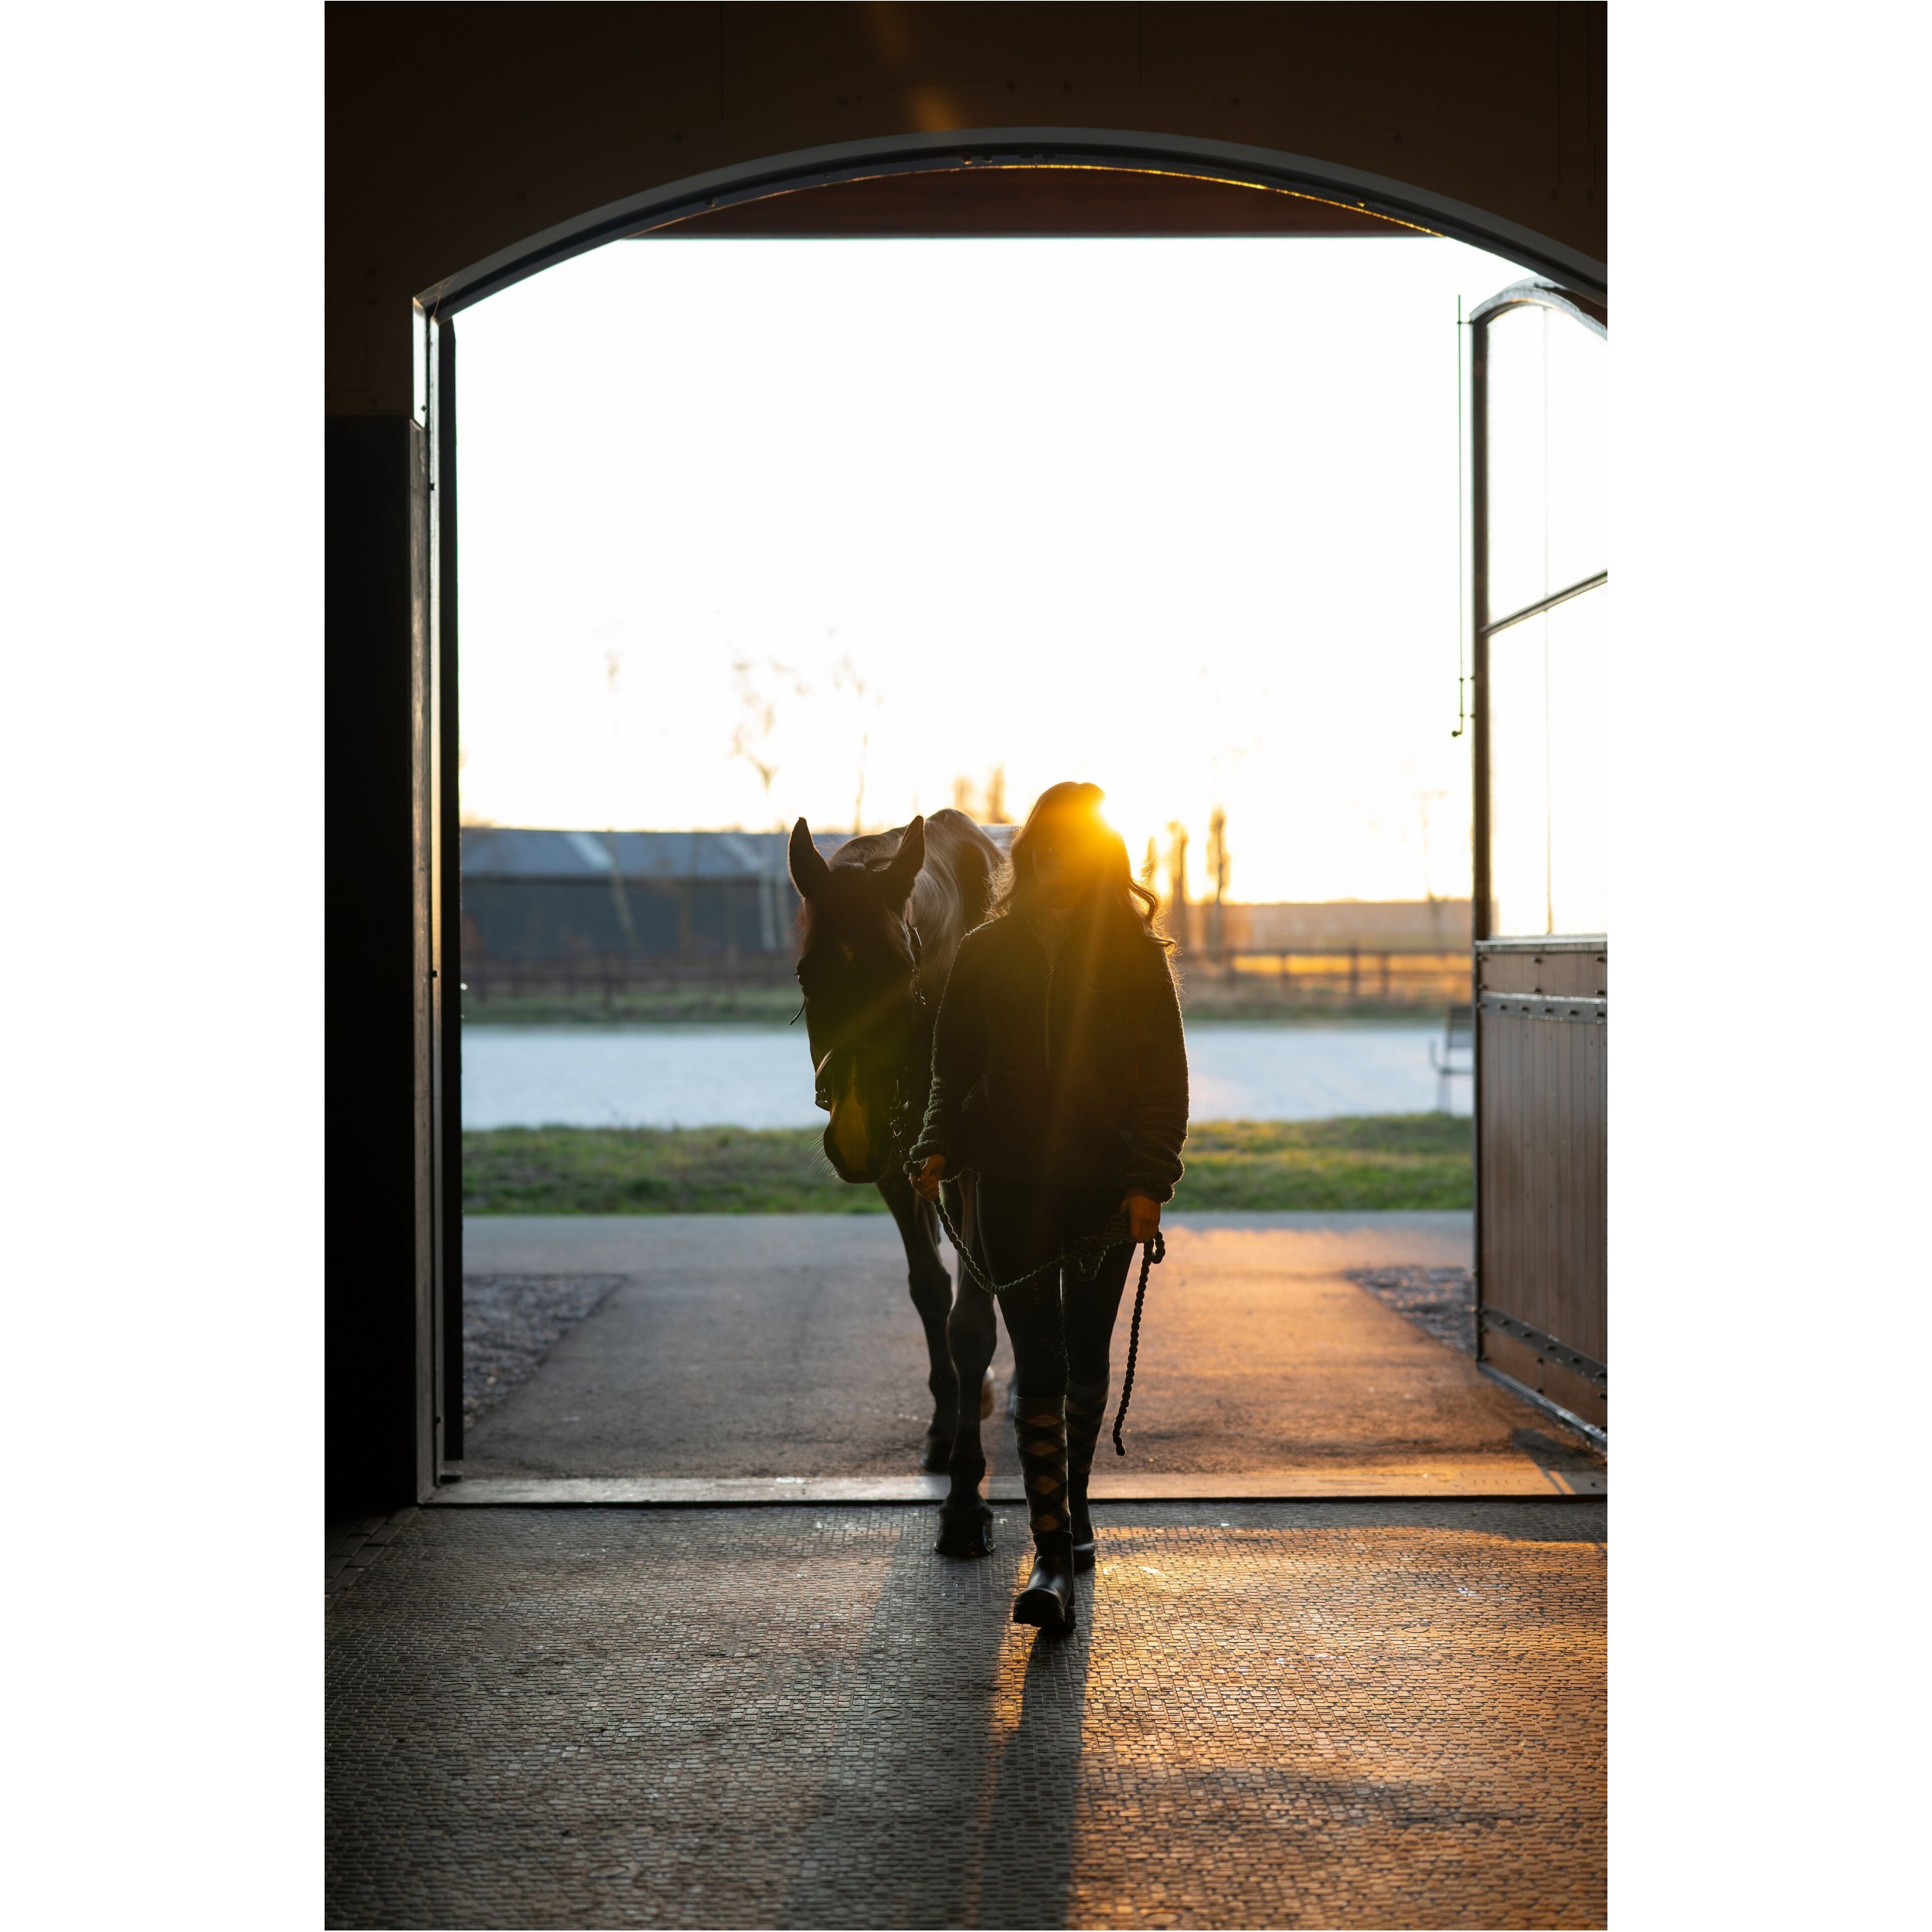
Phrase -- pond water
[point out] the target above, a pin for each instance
(761, 1076)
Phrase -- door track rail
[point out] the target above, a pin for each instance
(1500, 1478)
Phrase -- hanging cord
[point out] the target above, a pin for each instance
(1085, 1256)
(1155, 1250)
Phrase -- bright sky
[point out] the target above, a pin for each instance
(1176, 516)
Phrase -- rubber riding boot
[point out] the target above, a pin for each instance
(1048, 1599)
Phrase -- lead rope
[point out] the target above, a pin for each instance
(1085, 1254)
(1155, 1250)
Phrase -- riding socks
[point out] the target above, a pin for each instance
(1086, 1414)
(1062, 1327)
(1039, 1427)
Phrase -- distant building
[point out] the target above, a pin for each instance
(532, 895)
(536, 895)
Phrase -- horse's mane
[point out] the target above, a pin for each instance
(953, 892)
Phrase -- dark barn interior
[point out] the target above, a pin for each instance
(663, 1636)
(468, 145)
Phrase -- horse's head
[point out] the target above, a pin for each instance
(859, 972)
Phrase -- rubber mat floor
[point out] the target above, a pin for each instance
(1301, 1714)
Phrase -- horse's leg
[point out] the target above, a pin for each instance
(932, 1292)
(962, 1205)
(965, 1522)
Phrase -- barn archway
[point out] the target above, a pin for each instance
(1044, 182)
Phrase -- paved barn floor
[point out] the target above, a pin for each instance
(1302, 1714)
(770, 1346)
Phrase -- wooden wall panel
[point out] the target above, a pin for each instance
(1543, 1152)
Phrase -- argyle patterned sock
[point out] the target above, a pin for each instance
(1039, 1430)
(1086, 1415)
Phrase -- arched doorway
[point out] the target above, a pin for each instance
(1042, 181)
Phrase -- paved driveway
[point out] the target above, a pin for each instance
(770, 1345)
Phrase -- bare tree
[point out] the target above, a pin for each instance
(757, 724)
(1177, 883)
(751, 736)
(1425, 803)
(996, 797)
(845, 678)
(613, 689)
(1217, 859)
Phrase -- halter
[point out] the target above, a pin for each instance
(909, 1082)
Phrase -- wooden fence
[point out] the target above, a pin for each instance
(1245, 981)
(1349, 975)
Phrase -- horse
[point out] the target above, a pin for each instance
(879, 926)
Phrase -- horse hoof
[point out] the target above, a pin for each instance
(939, 1454)
(965, 1532)
(988, 1396)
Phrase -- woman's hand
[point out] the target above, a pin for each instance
(1143, 1216)
(926, 1182)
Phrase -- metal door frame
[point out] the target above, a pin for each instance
(1585, 287)
(1594, 316)
(1235, 163)
(1591, 310)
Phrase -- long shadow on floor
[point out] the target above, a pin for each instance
(1347, 1714)
(1026, 1850)
(948, 1798)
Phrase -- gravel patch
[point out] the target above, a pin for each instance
(1442, 1301)
(512, 1322)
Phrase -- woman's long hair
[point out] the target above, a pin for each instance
(1117, 910)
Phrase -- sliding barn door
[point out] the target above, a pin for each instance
(447, 885)
(437, 908)
(1539, 373)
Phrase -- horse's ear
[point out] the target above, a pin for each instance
(809, 870)
(905, 867)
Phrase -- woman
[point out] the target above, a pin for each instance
(1059, 1083)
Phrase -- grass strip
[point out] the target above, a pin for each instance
(1390, 1161)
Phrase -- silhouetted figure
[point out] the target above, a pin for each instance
(1059, 1088)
